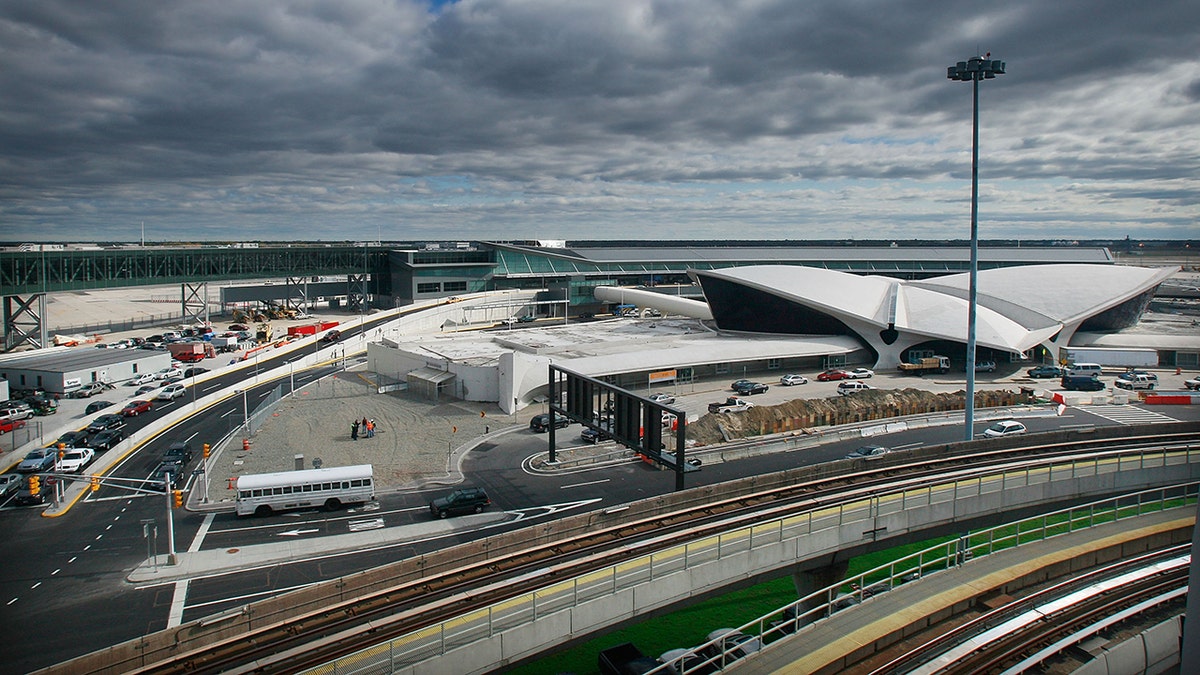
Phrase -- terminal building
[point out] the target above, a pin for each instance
(726, 312)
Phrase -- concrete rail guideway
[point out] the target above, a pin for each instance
(499, 619)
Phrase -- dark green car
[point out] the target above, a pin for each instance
(465, 500)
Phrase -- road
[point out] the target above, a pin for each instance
(63, 583)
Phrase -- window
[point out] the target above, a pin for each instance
(722, 368)
(429, 288)
(773, 364)
(451, 286)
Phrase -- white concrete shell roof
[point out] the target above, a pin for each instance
(1063, 293)
(1019, 307)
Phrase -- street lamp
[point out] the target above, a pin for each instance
(973, 70)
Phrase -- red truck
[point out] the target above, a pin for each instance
(191, 352)
(311, 328)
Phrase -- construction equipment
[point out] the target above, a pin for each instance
(264, 332)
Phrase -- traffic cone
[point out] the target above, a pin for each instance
(245, 445)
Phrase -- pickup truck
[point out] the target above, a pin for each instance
(732, 404)
(929, 364)
(1133, 381)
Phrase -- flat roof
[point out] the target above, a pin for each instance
(636, 344)
(68, 359)
(766, 254)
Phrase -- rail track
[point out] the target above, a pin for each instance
(313, 638)
(1035, 627)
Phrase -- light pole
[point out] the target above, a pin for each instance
(973, 70)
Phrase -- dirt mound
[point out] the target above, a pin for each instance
(874, 404)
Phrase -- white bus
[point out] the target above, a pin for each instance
(263, 493)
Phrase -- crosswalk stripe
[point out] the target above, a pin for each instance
(1127, 414)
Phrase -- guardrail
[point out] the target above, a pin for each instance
(793, 537)
(787, 622)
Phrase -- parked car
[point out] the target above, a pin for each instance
(731, 645)
(1038, 372)
(136, 407)
(17, 406)
(73, 461)
(171, 392)
(541, 423)
(167, 373)
(847, 388)
(96, 406)
(752, 388)
(106, 439)
(1082, 383)
(664, 399)
(732, 404)
(860, 373)
(1193, 383)
(869, 452)
(1004, 428)
(526, 318)
(1143, 373)
(464, 500)
(89, 390)
(792, 380)
(145, 378)
(1133, 381)
(833, 375)
(38, 459)
(594, 436)
(984, 367)
(14, 414)
(105, 422)
(8, 425)
(145, 389)
(178, 452)
(9, 483)
(194, 371)
(172, 380)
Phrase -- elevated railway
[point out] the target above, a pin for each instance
(407, 606)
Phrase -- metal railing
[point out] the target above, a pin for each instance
(786, 622)
(795, 530)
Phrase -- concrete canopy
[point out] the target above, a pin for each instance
(1019, 307)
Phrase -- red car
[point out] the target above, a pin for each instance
(831, 375)
(8, 425)
(136, 407)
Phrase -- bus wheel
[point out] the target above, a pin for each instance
(332, 504)
(263, 510)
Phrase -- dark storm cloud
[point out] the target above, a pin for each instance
(490, 118)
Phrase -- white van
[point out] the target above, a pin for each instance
(1086, 369)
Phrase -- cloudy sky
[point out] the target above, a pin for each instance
(594, 119)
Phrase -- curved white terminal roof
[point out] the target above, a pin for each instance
(1064, 293)
(1019, 307)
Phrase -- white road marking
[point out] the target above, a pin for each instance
(575, 485)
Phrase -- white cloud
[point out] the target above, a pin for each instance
(594, 119)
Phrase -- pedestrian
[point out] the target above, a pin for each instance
(354, 431)
(370, 428)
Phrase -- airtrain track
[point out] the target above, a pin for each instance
(1029, 630)
(316, 637)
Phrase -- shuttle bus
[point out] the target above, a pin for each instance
(264, 493)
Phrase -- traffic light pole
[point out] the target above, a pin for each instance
(170, 494)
